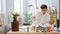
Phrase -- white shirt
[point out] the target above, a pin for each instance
(41, 19)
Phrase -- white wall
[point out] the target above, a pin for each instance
(51, 3)
(17, 5)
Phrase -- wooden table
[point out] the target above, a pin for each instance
(18, 32)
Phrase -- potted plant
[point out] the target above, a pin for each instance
(27, 18)
(15, 23)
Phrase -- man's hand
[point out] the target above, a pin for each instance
(33, 18)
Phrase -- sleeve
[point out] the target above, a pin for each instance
(34, 15)
(48, 18)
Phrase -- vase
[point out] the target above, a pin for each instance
(15, 25)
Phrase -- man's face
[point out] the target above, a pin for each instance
(44, 11)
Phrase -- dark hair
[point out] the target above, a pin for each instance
(43, 6)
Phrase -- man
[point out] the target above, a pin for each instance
(41, 17)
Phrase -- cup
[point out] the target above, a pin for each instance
(33, 28)
(49, 29)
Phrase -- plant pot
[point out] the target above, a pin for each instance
(26, 24)
(15, 25)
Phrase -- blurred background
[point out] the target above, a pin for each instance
(25, 7)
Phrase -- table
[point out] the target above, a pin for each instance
(19, 32)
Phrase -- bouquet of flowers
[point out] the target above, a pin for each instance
(14, 15)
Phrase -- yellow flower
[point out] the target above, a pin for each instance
(14, 14)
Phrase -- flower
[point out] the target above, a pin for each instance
(14, 14)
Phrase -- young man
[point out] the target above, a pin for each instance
(41, 17)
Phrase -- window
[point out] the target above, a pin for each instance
(0, 5)
(17, 5)
(29, 6)
(23, 6)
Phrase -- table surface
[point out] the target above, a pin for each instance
(19, 32)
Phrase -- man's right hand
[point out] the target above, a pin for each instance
(33, 18)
